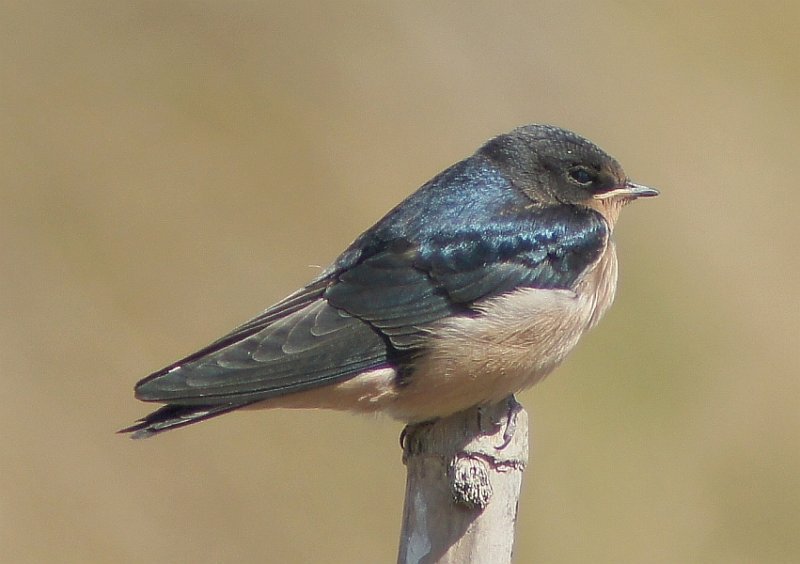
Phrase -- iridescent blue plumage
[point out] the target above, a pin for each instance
(465, 236)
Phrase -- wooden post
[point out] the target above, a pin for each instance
(463, 484)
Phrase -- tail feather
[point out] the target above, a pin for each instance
(172, 416)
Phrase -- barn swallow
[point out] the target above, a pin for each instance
(473, 288)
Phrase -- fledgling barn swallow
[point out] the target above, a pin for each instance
(473, 288)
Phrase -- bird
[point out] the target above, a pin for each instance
(473, 288)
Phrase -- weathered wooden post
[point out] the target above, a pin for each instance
(463, 485)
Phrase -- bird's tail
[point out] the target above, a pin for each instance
(172, 416)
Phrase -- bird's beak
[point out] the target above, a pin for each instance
(629, 190)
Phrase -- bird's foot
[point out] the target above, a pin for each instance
(512, 410)
(410, 436)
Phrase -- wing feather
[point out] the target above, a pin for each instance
(307, 348)
(403, 286)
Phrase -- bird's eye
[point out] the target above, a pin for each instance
(582, 175)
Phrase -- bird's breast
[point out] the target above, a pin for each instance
(514, 341)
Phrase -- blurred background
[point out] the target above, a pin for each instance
(169, 169)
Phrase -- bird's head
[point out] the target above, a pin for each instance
(551, 165)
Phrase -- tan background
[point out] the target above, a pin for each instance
(169, 169)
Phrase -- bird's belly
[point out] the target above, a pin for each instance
(514, 342)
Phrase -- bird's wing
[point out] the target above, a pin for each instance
(298, 344)
(374, 307)
(406, 286)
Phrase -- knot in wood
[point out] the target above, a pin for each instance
(470, 482)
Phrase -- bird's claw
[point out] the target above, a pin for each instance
(513, 409)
